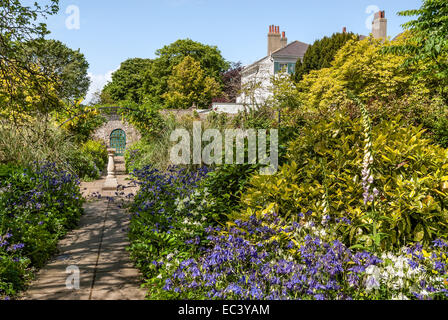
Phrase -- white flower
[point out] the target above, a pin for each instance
(373, 270)
(372, 283)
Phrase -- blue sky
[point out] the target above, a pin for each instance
(112, 31)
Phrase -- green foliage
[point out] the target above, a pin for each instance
(324, 175)
(23, 146)
(428, 43)
(80, 121)
(144, 80)
(166, 223)
(69, 66)
(7, 169)
(224, 188)
(321, 53)
(145, 117)
(188, 85)
(27, 87)
(127, 82)
(361, 68)
(151, 149)
(97, 152)
(138, 155)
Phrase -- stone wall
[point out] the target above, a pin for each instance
(114, 122)
(180, 113)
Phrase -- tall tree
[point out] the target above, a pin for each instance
(231, 80)
(20, 78)
(428, 42)
(68, 66)
(189, 84)
(321, 53)
(127, 82)
(361, 68)
(209, 57)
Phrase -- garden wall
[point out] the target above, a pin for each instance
(114, 122)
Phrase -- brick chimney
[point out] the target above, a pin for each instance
(284, 40)
(379, 25)
(274, 39)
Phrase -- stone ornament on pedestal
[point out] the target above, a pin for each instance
(111, 182)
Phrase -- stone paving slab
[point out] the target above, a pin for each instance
(97, 248)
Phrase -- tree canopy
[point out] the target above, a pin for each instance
(143, 80)
(209, 57)
(127, 82)
(189, 84)
(428, 42)
(321, 53)
(23, 84)
(66, 65)
(231, 80)
(361, 68)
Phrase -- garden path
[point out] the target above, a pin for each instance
(97, 248)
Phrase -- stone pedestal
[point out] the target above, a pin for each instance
(111, 182)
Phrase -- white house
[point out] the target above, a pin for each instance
(281, 57)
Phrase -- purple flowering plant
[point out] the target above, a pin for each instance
(164, 219)
(37, 207)
(256, 259)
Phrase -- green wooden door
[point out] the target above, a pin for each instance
(118, 141)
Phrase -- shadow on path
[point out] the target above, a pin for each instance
(98, 249)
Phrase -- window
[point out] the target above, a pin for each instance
(281, 66)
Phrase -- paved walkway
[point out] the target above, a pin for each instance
(97, 248)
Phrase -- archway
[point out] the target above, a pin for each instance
(118, 141)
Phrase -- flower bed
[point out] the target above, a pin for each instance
(37, 207)
(185, 254)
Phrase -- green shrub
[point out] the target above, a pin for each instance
(7, 169)
(223, 188)
(24, 146)
(97, 152)
(147, 152)
(324, 175)
(81, 126)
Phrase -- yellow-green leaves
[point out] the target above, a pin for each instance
(190, 85)
(409, 172)
(362, 68)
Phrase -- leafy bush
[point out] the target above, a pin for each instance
(37, 207)
(325, 176)
(362, 68)
(97, 152)
(23, 146)
(184, 255)
(7, 169)
(80, 121)
(321, 53)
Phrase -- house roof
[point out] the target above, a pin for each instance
(295, 50)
